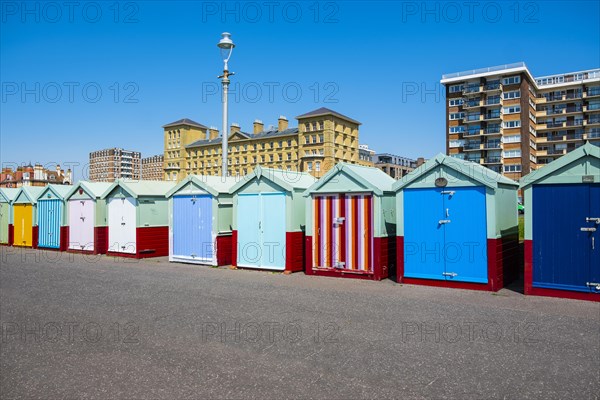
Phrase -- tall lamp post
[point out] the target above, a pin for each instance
(226, 45)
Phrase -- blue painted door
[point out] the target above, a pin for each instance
(595, 237)
(423, 235)
(465, 233)
(192, 228)
(273, 230)
(49, 221)
(261, 230)
(565, 256)
(445, 235)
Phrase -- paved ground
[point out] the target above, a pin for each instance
(77, 327)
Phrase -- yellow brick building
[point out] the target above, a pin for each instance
(322, 139)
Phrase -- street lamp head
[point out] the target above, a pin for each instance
(226, 45)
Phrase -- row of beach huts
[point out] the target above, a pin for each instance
(449, 223)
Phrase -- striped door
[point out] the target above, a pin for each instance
(23, 220)
(343, 232)
(81, 225)
(192, 228)
(49, 221)
(4, 207)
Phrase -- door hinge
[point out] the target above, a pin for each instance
(593, 219)
(452, 274)
(444, 221)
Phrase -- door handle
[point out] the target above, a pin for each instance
(447, 212)
(593, 284)
(448, 192)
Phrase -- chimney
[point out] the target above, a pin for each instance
(213, 133)
(282, 123)
(235, 127)
(258, 126)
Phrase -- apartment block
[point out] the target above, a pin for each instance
(322, 138)
(110, 164)
(509, 121)
(152, 168)
(395, 166)
(365, 155)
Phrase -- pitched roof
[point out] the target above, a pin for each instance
(93, 189)
(59, 190)
(326, 111)
(288, 180)
(260, 135)
(587, 150)
(212, 184)
(475, 171)
(8, 194)
(185, 121)
(373, 178)
(31, 192)
(141, 188)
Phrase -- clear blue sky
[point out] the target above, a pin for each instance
(159, 62)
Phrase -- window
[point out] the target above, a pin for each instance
(512, 124)
(289, 142)
(314, 138)
(514, 94)
(455, 102)
(280, 157)
(512, 139)
(512, 153)
(456, 143)
(306, 127)
(455, 88)
(317, 166)
(289, 156)
(322, 138)
(313, 126)
(457, 129)
(280, 144)
(459, 115)
(512, 110)
(309, 166)
(512, 168)
(511, 80)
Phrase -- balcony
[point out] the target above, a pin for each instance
(563, 138)
(472, 147)
(592, 121)
(472, 89)
(593, 135)
(493, 102)
(472, 133)
(492, 116)
(469, 119)
(556, 152)
(492, 145)
(472, 104)
(492, 160)
(492, 87)
(492, 131)
(591, 93)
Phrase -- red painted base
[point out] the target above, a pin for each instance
(533, 291)
(34, 239)
(503, 266)
(100, 242)
(224, 252)
(11, 234)
(150, 242)
(294, 251)
(384, 256)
